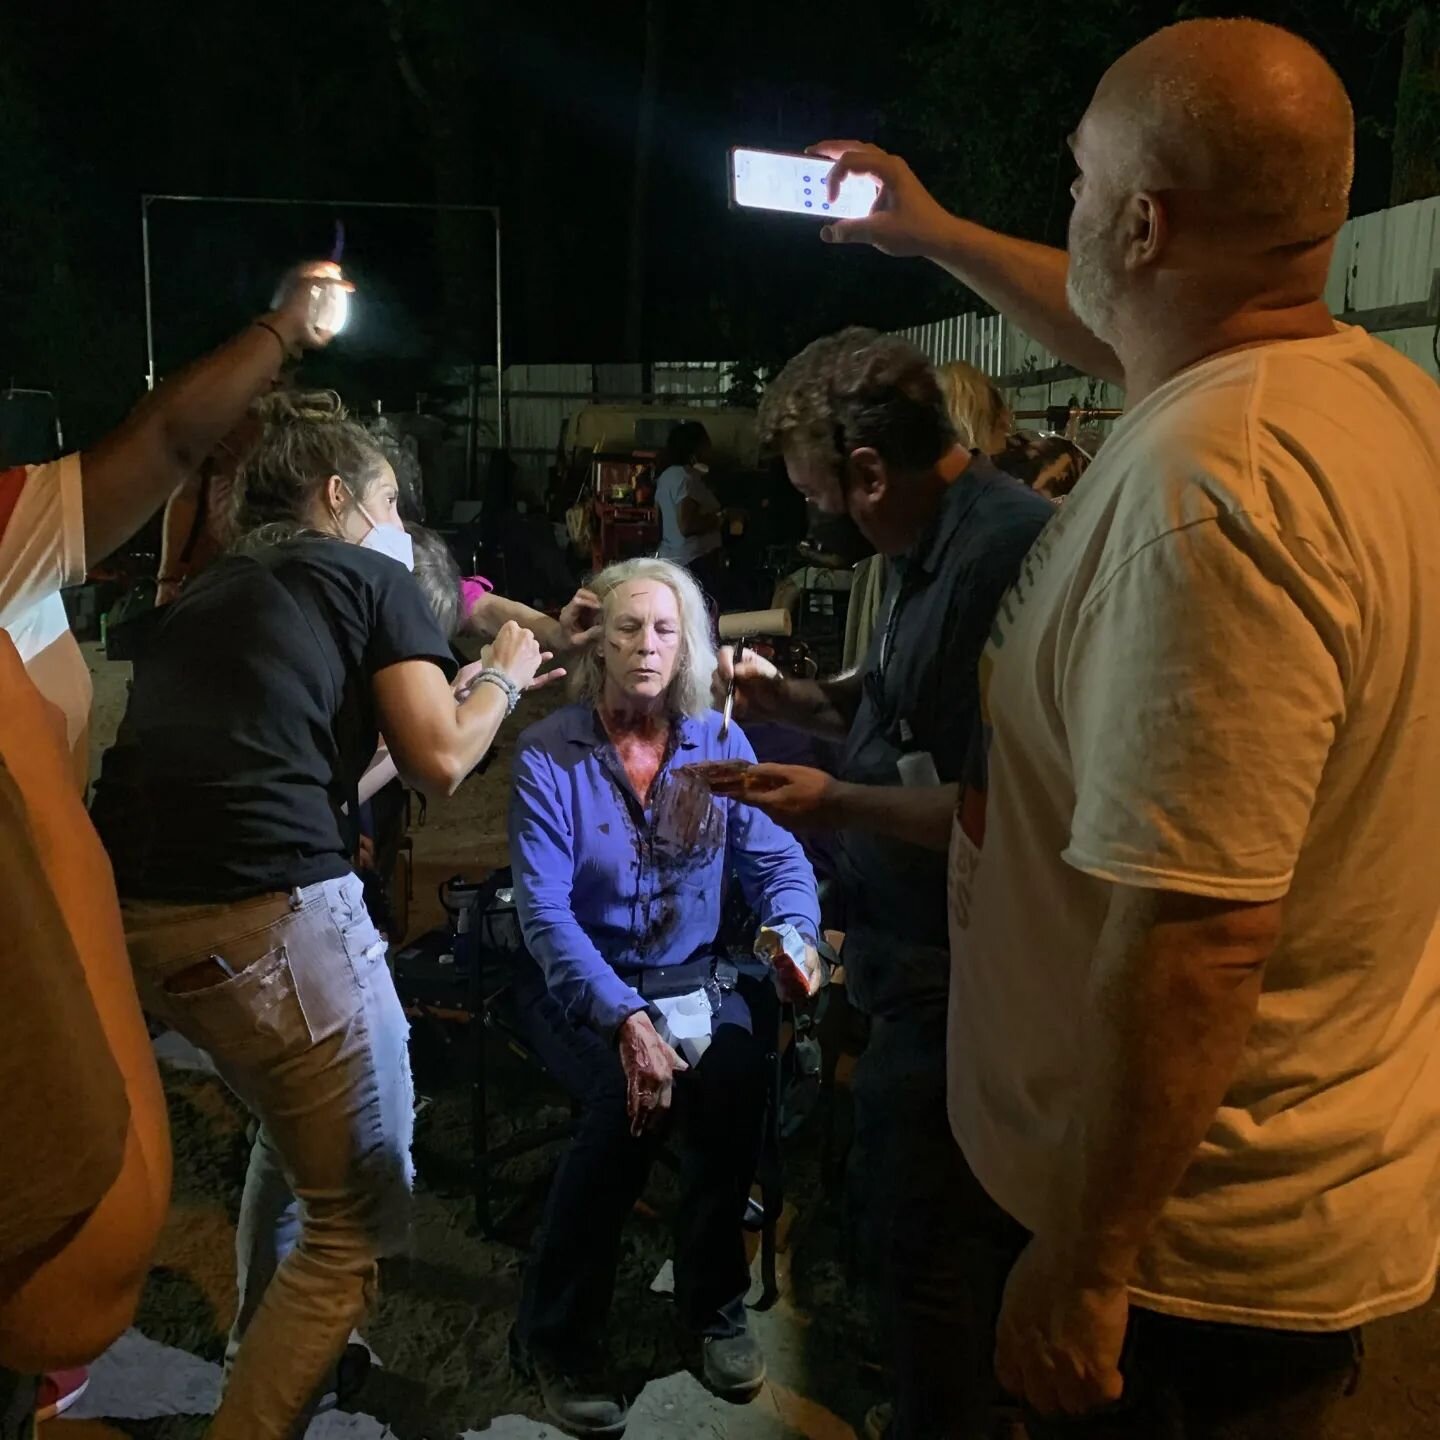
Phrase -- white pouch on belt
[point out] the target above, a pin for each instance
(685, 1024)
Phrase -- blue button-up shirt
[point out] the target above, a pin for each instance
(604, 884)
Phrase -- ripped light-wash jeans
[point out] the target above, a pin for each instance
(292, 998)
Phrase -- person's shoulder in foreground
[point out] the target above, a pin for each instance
(1003, 506)
(327, 554)
(1275, 434)
(65, 1108)
(379, 600)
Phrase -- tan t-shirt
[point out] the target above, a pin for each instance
(1219, 673)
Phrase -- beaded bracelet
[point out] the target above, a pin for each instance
(501, 681)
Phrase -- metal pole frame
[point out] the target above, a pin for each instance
(146, 201)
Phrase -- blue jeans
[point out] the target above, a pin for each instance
(292, 998)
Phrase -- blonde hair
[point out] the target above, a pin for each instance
(977, 408)
(689, 692)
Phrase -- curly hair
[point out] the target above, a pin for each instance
(858, 388)
(689, 692)
(305, 438)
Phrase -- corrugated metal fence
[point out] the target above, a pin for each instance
(539, 398)
(1383, 277)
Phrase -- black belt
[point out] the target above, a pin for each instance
(664, 982)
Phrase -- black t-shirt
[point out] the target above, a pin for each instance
(251, 720)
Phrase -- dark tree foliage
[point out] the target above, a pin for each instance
(534, 107)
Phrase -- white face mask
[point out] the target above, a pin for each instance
(392, 542)
(388, 540)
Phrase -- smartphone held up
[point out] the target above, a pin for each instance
(796, 185)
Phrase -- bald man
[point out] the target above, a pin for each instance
(1195, 1008)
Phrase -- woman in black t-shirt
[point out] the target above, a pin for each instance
(228, 809)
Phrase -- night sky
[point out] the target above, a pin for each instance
(533, 107)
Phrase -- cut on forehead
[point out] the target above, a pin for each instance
(1238, 108)
(644, 595)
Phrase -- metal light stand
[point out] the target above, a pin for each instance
(492, 210)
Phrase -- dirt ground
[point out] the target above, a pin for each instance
(446, 1307)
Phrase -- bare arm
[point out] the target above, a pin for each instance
(821, 707)
(182, 510)
(1173, 991)
(381, 772)
(1172, 995)
(802, 798)
(434, 742)
(1025, 282)
(692, 519)
(1022, 280)
(577, 626)
(920, 814)
(132, 471)
(494, 611)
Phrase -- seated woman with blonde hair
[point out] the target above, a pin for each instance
(621, 857)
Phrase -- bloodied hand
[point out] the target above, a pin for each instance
(650, 1067)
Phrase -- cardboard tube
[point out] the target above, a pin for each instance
(740, 623)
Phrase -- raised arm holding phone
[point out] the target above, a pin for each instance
(1025, 281)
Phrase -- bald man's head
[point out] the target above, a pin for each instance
(1222, 149)
(1244, 112)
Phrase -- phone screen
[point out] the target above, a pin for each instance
(795, 184)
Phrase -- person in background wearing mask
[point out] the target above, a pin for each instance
(864, 430)
(1195, 921)
(692, 523)
(228, 810)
